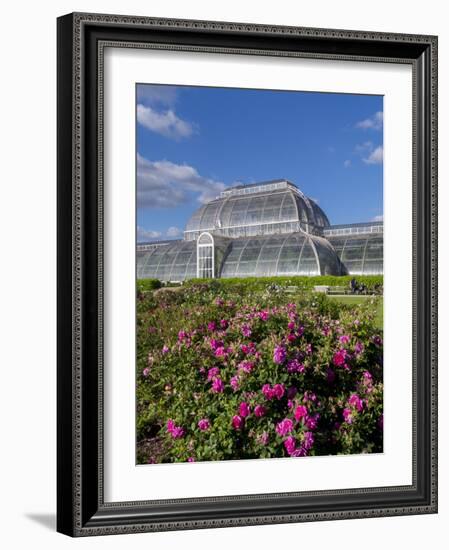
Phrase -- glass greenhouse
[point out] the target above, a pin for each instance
(259, 230)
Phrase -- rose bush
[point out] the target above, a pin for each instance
(231, 375)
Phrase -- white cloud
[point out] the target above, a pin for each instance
(151, 94)
(164, 184)
(376, 156)
(173, 232)
(379, 218)
(150, 235)
(374, 122)
(347, 163)
(370, 153)
(147, 235)
(165, 123)
(365, 147)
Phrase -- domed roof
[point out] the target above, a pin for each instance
(274, 202)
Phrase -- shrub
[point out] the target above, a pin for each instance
(228, 375)
(373, 283)
(145, 285)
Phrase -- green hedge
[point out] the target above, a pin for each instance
(372, 282)
(144, 285)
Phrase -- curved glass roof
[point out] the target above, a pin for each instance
(292, 254)
(361, 254)
(272, 206)
(172, 262)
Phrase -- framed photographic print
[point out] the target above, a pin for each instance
(247, 288)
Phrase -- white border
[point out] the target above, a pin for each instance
(122, 479)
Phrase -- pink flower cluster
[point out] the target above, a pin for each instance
(339, 358)
(217, 385)
(355, 401)
(244, 409)
(177, 432)
(213, 373)
(279, 355)
(289, 358)
(263, 315)
(248, 349)
(294, 365)
(355, 406)
(204, 424)
(290, 445)
(237, 422)
(246, 366)
(275, 392)
(284, 427)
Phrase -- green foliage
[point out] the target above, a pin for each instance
(145, 285)
(373, 283)
(320, 354)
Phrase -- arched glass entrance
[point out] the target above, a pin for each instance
(205, 256)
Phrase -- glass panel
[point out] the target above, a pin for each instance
(205, 262)
(205, 239)
(209, 215)
(168, 262)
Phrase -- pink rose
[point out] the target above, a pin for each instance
(214, 344)
(268, 391)
(204, 424)
(278, 390)
(339, 358)
(217, 385)
(220, 352)
(347, 415)
(260, 411)
(279, 355)
(170, 425)
(246, 366)
(244, 409)
(284, 427)
(300, 412)
(263, 315)
(237, 422)
(177, 432)
(235, 382)
(356, 402)
(295, 366)
(312, 421)
(290, 445)
(212, 373)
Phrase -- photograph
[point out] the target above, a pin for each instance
(259, 274)
(246, 273)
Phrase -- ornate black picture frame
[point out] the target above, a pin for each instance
(81, 510)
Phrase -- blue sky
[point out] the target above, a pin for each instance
(193, 142)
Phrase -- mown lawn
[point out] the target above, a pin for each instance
(353, 300)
